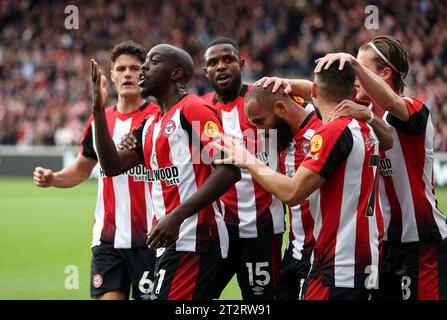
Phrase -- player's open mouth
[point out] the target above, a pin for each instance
(223, 79)
(128, 83)
(142, 80)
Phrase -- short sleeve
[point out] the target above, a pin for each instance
(203, 125)
(417, 123)
(330, 145)
(87, 149)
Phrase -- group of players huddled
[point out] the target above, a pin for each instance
(193, 190)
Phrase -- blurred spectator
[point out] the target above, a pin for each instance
(44, 68)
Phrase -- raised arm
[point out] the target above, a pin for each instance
(112, 161)
(375, 87)
(289, 190)
(295, 87)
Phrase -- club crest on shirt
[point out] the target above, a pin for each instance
(211, 129)
(305, 147)
(169, 128)
(316, 143)
(97, 280)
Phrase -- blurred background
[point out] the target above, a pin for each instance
(44, 69)
(45, 97)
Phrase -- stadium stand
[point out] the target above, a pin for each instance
(44, 68)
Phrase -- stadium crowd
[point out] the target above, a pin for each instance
(44, 67)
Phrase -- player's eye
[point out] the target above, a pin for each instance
(154, 61)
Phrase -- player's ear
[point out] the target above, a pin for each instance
(279, 108)
(387, 73)
(242, 63)
(205, 72)
(112, 75)
(177, 74)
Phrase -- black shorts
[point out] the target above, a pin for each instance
(120, 269)
(256, 263)
(413, 271)
(292, 274)
(186, 275)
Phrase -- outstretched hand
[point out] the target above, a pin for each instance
(99, 84)
(235, 153)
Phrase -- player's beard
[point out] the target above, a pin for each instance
(229, 92)
(284, 134)
(145, 92)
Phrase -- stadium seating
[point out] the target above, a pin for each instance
(44, 69)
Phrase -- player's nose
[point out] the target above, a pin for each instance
(221, 65)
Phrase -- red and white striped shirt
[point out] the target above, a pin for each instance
(348, 223)
(249, 210)
(175, 150)
(408, 199)
(301, 221)
(123, 207)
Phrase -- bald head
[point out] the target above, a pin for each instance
(265, 98)
(177, 58)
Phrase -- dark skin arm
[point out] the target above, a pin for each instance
(113, 162)
(165, 231)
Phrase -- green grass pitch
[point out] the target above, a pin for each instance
(42, 231)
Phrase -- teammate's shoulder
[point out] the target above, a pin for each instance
(341, 122)
(193, 100)
(414, 104)
(110, 109)
(336, 125)
(194, 104)
(208, 97)
(413, 100)
(151, 108)
(313, 122)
